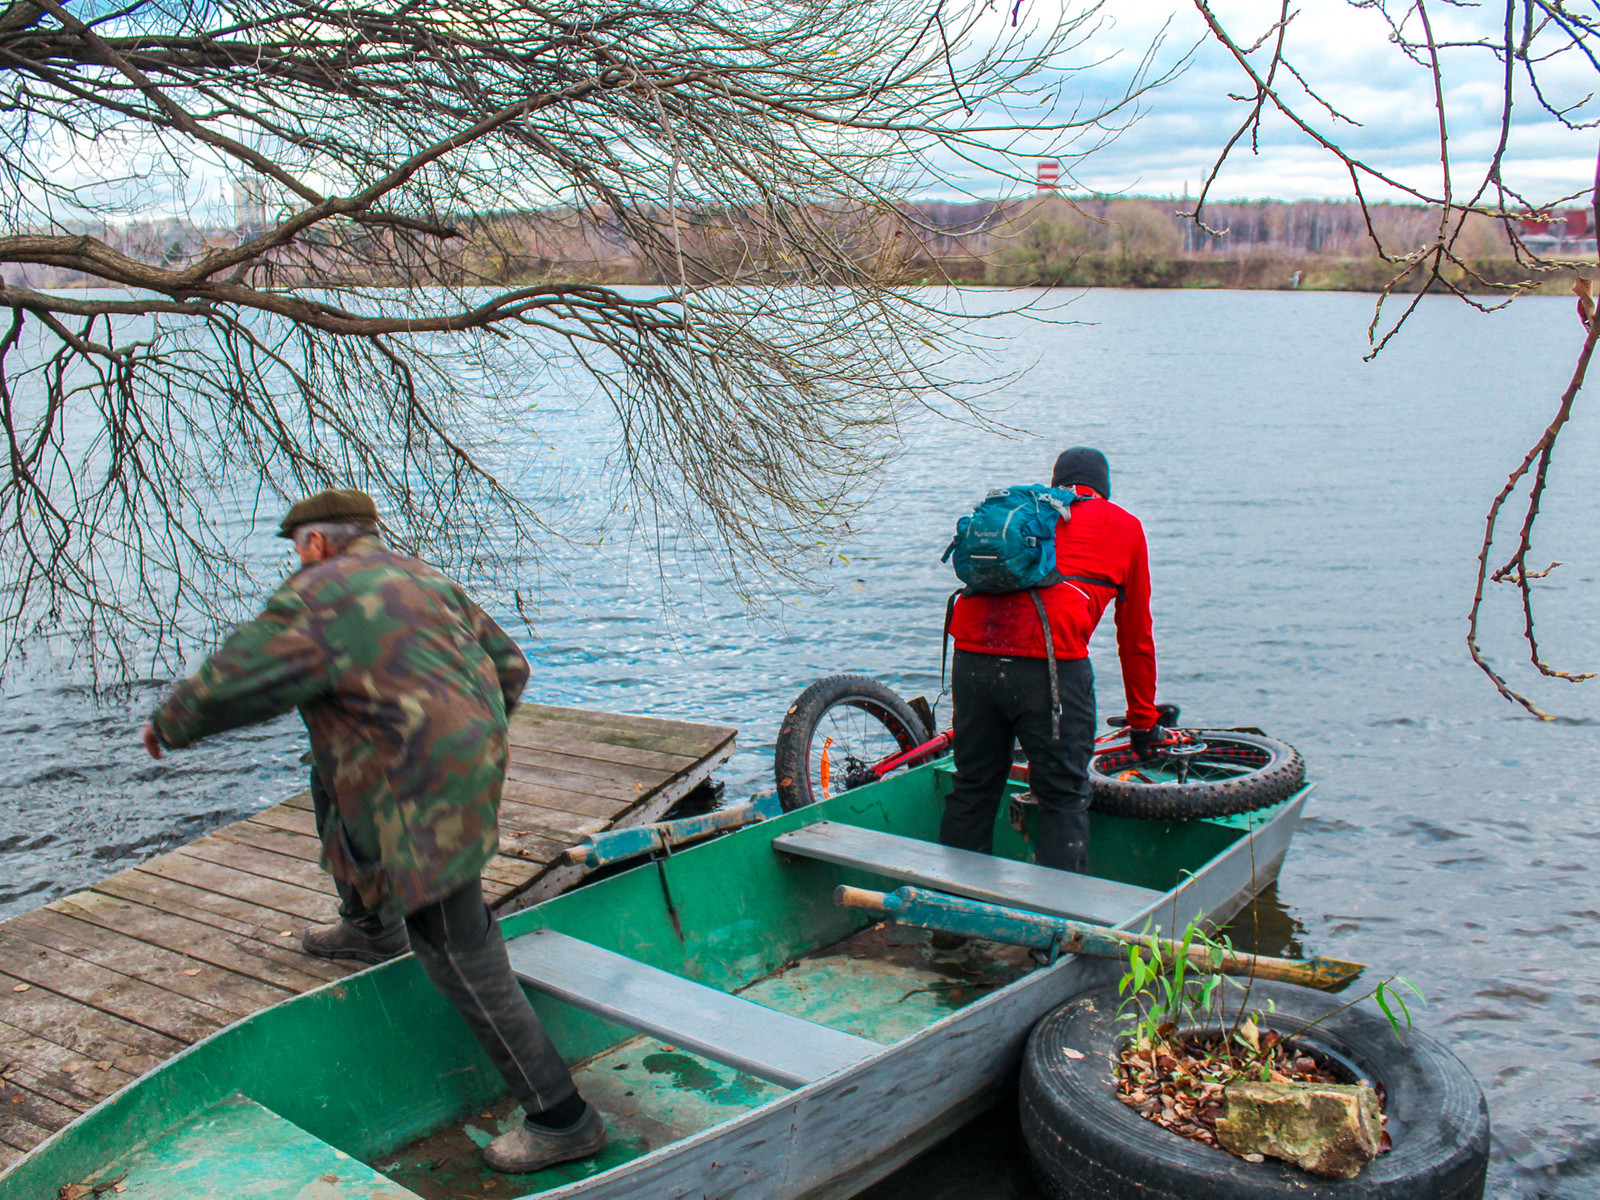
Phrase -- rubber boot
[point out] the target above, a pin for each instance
(531, 1147)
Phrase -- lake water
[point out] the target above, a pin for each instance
(1313, 522)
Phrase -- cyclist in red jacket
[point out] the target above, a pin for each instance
(1001, 687)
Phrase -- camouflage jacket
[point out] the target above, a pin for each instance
(404, 684)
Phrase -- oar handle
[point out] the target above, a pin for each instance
(846, 896)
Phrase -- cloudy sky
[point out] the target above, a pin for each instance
(1345, 54)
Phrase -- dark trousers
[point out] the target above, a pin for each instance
(998, 701)
(458, 942)
(351, 907)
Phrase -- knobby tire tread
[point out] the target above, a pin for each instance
(791, 756)
(1278, 779)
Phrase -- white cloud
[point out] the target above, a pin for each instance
(1346, 55)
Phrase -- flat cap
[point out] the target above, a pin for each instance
(339, 504)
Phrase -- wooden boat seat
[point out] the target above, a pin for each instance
(965, 873)
(738, 1033)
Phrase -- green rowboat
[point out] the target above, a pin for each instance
(744, 1035)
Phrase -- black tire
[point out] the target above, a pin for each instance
(1084, 1142)
(1245, 771)
(867, 721)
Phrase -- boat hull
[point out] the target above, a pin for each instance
(837, 1136)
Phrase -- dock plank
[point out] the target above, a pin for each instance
(27, 1119)
(110, 991)
(172, 970)
(51, 1070)
(104, 971)
(87, 1031)
(660, 730)
(295, 903)
(580, 755)
(223, 852)
(561, 802)
(228, 913)
(267, 962)
(291, 820)
(625, 785)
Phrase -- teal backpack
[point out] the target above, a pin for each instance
(1008, 544)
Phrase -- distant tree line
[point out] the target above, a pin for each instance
(1051, 240)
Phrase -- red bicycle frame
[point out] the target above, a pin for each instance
(941, 743)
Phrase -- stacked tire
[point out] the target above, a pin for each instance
(1085, 1144)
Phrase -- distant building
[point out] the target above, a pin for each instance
(249, 206)
(1558, 232)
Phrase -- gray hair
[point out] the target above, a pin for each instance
(339, 533)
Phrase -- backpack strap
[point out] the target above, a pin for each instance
(944, 642)
(1050, 654)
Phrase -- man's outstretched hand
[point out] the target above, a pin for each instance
(152, 741)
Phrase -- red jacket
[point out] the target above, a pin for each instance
(1102, 541)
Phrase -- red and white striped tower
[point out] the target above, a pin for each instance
(1049, 172)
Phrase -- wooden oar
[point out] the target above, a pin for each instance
(974, 918)
(618, 845)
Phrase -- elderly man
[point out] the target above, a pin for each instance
(404, 684)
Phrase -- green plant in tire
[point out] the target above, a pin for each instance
(1164, 996)
(1156, 984)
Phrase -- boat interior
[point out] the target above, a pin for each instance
(687, 991)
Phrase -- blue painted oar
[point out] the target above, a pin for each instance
(992, 922)
(619, 845)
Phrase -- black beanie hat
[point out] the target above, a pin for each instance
(1085, 465)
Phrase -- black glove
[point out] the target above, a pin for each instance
(1142, 739)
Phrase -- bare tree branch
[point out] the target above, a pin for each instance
(430, 204)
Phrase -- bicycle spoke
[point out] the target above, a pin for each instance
(857, 738)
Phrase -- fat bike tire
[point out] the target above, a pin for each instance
(1238, 772)
(874, 711)
(1084, 1143)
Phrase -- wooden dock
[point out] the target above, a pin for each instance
(98, 987)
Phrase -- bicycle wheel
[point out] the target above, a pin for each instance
(838, 728)
(1234, 773)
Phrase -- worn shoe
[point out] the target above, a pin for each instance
(531, 1147)
(344, 940)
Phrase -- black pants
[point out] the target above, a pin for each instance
(1000, 700)
(351, 907)
(457, 941)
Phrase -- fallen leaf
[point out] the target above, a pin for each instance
(1071, 1053)
(1254, 1157)
(22, 987)
(73, 1191)
(287, 933)
(103, 1065)
(70, 1068)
